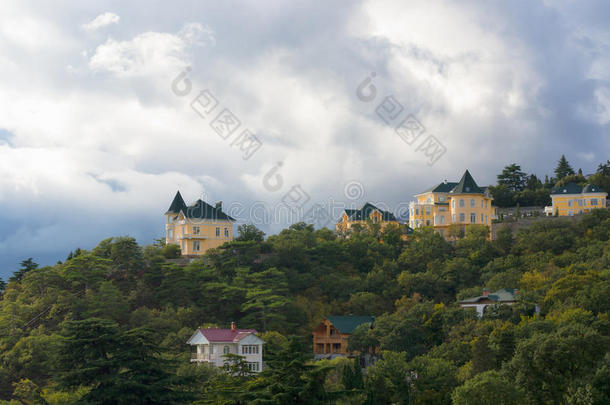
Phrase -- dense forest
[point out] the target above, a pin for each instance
(109, 325)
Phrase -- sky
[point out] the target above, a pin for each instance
(284, 111)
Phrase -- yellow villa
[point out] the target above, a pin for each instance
(452, 206)
(359, 216)
(571, 199)
(198, 227)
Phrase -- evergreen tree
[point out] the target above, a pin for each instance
(27, 265)
(512, 177)
(2, 286)
(563, 168)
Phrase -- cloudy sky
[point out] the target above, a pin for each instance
(98, 128)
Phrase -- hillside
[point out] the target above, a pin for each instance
(64, 327)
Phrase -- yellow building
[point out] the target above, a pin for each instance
(571, 199)
(359, 216)
(450, 206)
(198, 227)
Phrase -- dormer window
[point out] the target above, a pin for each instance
(467, 189)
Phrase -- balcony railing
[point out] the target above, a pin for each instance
(203, 357)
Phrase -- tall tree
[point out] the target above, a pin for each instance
(26, 266)
(563, 168)
(512, 177)
(118, 367)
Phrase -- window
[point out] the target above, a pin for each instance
(252, 366)
(196, 230)
(462, 217)
(196, 246)
(427, 222)
(249, 349)
(481, 203)
(217, 231)
(571, 213)
(452, 203)
(486, 203)
(226, 232)
(442, 219)
(441, 198)
(416, 211)
(472, 203)
(461, 202)
(580, 203)
(473, 218)
(183, 248)
(482, 218)
(226, 350)
(453, 217)
(428, 200)
(412, 211)
(427, 210)
(593, 201)
(170, 234)
(211, 349)
(569, 203)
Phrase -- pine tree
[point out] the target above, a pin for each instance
(563, 168)
(512, 177)
(26, 266)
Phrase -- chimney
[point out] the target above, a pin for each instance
(485, 292)
(445, 181)
(233, 326)
(219, 205)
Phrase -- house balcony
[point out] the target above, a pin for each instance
(192, 236)
(202, 357)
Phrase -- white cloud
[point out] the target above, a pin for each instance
(101, 20)
(150, 52)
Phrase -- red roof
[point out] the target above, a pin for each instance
(225, 335)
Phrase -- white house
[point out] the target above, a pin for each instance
(212, 344)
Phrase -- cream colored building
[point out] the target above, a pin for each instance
(449, 207)
(198, 227)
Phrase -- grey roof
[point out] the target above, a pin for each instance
(503, 295)
(177, 204)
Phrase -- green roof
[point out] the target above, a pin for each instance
(177, 204)
(467, 185)
(199, 210)
(443, 187)
(568, 188)
(347, 324)
(592, 188)
(364, 213)
(503, 295)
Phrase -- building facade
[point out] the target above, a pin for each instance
(332, 334)
(198, 227)
(211, 345)
(450, 207)
(572, 199)
(367, 212)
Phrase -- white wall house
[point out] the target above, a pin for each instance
(212, 344)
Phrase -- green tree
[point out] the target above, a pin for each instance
(27, 265)
(512, 177)
(118, 367)
(249, 233)
(563, 168)
(488, 388)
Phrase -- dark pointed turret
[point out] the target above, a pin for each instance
(177, 205)
(467, 185)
